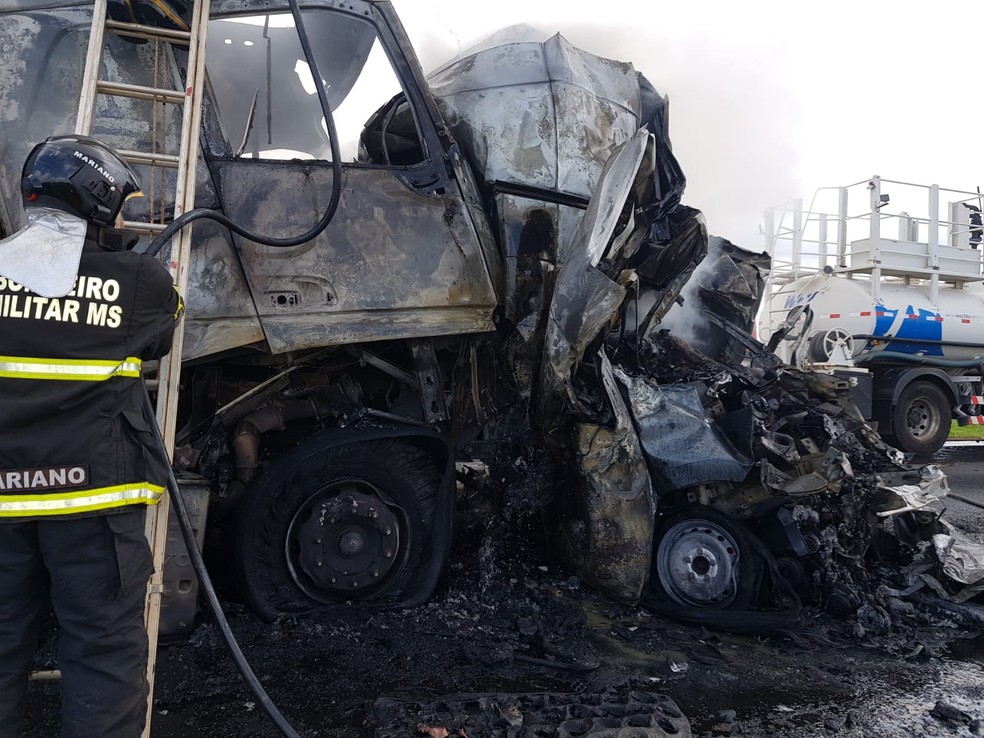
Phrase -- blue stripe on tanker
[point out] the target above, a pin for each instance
(927, 327)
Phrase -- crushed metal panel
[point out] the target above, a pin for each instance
(911, 489)
(663, 263)
(531, 232)
(606, 527)
(816, 474)
(962, 560)
(544, 114)
(585, 305)
(683, 447)
(584, 299)
(727, 285)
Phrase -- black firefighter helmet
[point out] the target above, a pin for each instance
(80, 176)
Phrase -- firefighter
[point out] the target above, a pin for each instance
(77, 459)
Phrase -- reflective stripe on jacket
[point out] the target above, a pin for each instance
(87, 370)
(88, 500)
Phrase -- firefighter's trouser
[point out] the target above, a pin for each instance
(96, 571)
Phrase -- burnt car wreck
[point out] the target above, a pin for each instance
(511, 279)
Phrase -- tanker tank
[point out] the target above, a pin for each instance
(949, 331)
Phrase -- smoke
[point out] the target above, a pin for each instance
(731, 121)
(733, 113)
(771, 100)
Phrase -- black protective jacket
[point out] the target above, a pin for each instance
(73, 437)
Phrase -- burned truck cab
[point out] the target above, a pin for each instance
(335, 450)
(315, 391)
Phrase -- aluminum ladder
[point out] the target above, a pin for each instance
(190, 97)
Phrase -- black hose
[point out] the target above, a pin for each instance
(198, 564)
(876, 357)
(336, 180)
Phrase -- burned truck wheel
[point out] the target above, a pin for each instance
(326, 525)
(921, 421)
(704, 559)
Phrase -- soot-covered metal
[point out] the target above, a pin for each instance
(670, 423)
(511, 275)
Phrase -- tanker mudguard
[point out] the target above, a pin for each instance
(890, 383)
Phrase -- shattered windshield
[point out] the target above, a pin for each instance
(265, 92)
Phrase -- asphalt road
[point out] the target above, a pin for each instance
(963, 462)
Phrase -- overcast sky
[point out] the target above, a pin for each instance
(771, 100)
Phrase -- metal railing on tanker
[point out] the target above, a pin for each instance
(877, 231)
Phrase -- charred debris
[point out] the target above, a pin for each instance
(621, 399)
(692, 470)
(773, 498)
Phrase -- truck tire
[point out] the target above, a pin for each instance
(326, 525)
(921, 419)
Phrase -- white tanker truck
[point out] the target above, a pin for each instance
(899, 318)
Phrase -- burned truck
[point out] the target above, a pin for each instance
(510, 285)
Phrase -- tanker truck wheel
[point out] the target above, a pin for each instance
(921, 420)
(327, 525)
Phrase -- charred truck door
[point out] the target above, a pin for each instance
(402, 258)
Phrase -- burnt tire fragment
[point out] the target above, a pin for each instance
(327, 525)
(921, 420)
(612, 714)
(706, 560)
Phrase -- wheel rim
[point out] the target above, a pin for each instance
(697, 564)
(346, 542)
(922, 419)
